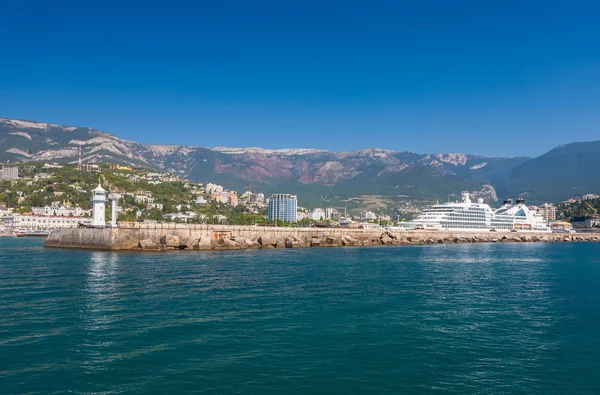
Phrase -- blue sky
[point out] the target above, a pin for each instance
(494, 78)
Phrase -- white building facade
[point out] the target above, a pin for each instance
(10, 172)
(42, 222)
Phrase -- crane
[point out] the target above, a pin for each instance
(249, 187)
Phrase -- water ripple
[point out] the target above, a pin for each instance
(486, 318)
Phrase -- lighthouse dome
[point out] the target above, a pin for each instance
(99, 188)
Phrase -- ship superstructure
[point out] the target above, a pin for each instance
(467, 216)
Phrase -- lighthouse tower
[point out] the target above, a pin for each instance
(98, 206)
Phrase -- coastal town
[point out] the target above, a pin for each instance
(41, 197)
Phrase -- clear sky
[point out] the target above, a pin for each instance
(501, 78)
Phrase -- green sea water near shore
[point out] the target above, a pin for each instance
(495, 318)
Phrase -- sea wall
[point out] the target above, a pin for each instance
(162, 237)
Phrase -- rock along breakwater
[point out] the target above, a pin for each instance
(164, 236)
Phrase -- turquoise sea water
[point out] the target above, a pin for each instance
(456, 319)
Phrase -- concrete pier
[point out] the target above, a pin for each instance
(164, 236)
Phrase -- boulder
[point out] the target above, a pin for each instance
(329, 240)
(385, 239)
(189, 243)
(203, 243)
(229, 244)
(279, 243)
(267, 242)
(391, 235)
(315, 242)
(348, 240)
(149, 244)
(251, 243)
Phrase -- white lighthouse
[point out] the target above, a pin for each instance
(98, 206)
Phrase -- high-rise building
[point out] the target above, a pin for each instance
(10, 172)
(317, 214)
(329, 212)
(283, 207)
(548, 211)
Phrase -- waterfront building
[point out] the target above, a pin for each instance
(561, 225)
(283, 207)
(368, 216)
(548, 212)
(587, 221)
(329, 213)
(317, 214)
(45, 222)
(300, 215)
(10, 173)
(384, 217)
(98, 206)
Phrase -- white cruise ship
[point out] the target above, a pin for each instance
(466, 216)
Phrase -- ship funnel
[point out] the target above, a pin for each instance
(508, 201)
(520, 200)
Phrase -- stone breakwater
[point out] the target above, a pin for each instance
(163, 237)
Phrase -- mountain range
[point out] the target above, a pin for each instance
(563, 172)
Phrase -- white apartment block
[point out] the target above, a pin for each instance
(43, 222)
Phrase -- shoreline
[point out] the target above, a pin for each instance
(165, 237)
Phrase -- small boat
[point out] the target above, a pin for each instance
(33, 233)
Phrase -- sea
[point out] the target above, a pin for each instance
(500, 318)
